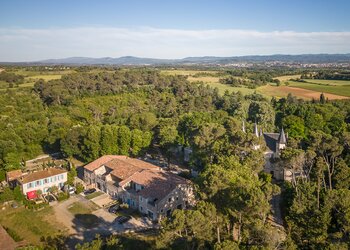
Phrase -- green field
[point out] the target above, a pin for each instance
(44, 77)
(31, 225)
(335, 87)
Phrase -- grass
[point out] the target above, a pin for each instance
(93, 195)
(213, 82)
(81, 208)
(335, 87)
(44, 77)
(30, 225)
(83, 214)
(338, 87)
(287, 77)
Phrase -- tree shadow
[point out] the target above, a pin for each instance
(88, 226)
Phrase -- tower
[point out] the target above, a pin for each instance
(282, 141)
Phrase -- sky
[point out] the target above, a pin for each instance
(33, 30)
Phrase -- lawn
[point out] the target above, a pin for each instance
(83, 214)
(93, 195)
(80, 208)
(31, 225)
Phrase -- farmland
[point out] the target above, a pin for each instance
(309, 89)
(341, 88)
(304, 93)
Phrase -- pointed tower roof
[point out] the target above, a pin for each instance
(256, 131)
(282, 137)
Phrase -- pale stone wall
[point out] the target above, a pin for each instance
(45, 183)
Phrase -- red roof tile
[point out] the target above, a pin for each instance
(41, 174)
(12, 175)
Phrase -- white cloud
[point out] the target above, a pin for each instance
(36, 44)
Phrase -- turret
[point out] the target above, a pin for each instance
(282, 141)
(282, 137)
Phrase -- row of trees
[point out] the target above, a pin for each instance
(93, 141)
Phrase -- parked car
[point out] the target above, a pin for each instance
(50, 198)
(114, 208)
(90, 191)
(71, 190)
(122, 219)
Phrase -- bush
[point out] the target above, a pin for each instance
(62, 196)
(18, 195)
(32, 205)
(2, 175)
(13, 234)
(79, 188)
(7, 195)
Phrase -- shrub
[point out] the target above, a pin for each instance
(13, 234)
(79, 188)
(62, 196)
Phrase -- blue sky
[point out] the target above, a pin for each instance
(37, 29)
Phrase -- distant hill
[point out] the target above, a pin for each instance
(211, 60)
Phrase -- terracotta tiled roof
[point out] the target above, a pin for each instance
(12, 175)
(99, 162)
(158, 185)
(6, 242)
(124, 167)
(156, 182)
(41, 174)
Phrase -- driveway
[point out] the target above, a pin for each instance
(102, 200)
(105, 226)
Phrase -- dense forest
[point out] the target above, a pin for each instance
(128, 111)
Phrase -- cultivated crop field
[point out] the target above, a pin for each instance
(283, 91)
(337, 88)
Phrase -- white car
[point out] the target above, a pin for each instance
(71, 190)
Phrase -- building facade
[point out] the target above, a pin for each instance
(143, 186)
(42, 180)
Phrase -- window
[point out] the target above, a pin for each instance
(61, 176)
(161, 210)
(46, 181)
(170, 199)
(140, 198)
(37, 183)
(141, 208)
(177, 198)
